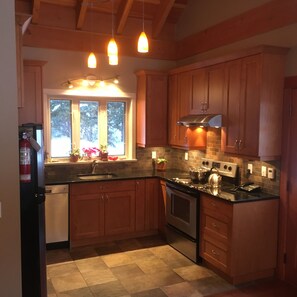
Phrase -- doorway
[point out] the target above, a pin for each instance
(288, 205)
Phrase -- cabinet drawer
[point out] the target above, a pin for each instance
(217, 226)
(117, 186)
(215, 205)
(214, 255)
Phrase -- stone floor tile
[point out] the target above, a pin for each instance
(152, 265)
(58, 256)
(82, 292)
(193, 272)
(89, 264)
(68, 282)
(62, 269)
(127, 271)
(150, 293)
(117, 259)
(166, 278)
(183, 289)
(211, 285)
(139, 283)
(50, 288)
(83, 252)
(95, 277)
(145, 254)
(111, 289)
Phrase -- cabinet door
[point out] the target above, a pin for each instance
(86, 216)
(199, 100)
(231, 109)
(215, 88)
(152, 188)
(139, 205)
(250, 106)
(173, 112)
(32, 107)
(162, 207)
(119, 212)
(151, 109)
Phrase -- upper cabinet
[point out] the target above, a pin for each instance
(179, 101)
(31, 109)
(253, 105)
(151, 106)
(207, 90)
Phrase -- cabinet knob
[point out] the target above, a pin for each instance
(240, 144)
(102, 197)
(214, 252)
(214, 225)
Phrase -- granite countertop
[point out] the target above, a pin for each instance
(220, 193)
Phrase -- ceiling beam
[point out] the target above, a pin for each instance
(82, 10)
(161, 16)
(122, 15)
(35, 11)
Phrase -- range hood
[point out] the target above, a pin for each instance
(201, 120)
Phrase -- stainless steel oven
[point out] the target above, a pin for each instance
(182, 216)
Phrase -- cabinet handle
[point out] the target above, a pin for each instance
(106, 197)
(203, 106)
(102, 197)
(236, 144)
(214, 252)
(240, 144)
(214, 225)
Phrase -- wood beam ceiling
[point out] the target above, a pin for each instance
(122, 15)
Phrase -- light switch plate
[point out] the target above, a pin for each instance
(264, 171)
(186, 156)
(271, 173)
(250, 168)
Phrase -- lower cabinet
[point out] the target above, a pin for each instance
(113, 210)
(239, 240)
(101, 209)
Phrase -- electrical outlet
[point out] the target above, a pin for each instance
(271, 173)
(250, 168)
(154, 154)
(186, 156)
(264, 171)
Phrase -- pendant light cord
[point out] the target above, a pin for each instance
(142, 15)
(112, 19)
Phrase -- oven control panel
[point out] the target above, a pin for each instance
(224, 168)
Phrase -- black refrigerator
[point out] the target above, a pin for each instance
(32, 202)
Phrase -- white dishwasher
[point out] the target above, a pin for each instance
(56, 216)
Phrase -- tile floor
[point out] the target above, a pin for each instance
(143, 267)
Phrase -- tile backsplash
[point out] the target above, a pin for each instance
(176, 160)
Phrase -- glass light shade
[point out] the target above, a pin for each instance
(112, 52)
(92, 62)
(143, 46)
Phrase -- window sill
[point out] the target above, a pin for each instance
(83, 162)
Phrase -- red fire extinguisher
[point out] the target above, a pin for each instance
(25, 159)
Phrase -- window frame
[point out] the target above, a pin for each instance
(130, 129)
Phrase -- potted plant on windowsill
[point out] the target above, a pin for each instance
(103, 153)
(161, 164)
(74, 155)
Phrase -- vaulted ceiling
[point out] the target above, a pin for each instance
(87, 24)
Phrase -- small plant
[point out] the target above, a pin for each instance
(161, 160)
(91, 152)
(103, 148)
(75, 152)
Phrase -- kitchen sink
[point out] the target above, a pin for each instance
(99, 176)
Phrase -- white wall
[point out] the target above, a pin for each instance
(64, 65)
(10, 269)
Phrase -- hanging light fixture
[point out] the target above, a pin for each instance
(112, 48)
(143, 46)
(92, 61)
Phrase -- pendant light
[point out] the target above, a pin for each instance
(112, 48)
(92, 61)
(143, 46)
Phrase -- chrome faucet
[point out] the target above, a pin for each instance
(93, 166)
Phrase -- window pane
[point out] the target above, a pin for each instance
(89, 135)
(60, 113)
(116, 113)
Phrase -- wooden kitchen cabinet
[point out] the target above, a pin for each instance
(239, 240)
(152, 190)
(253, 105)
(179, 99)
(101, 209)
(31, 107)
(208, 87)
(151, 108)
